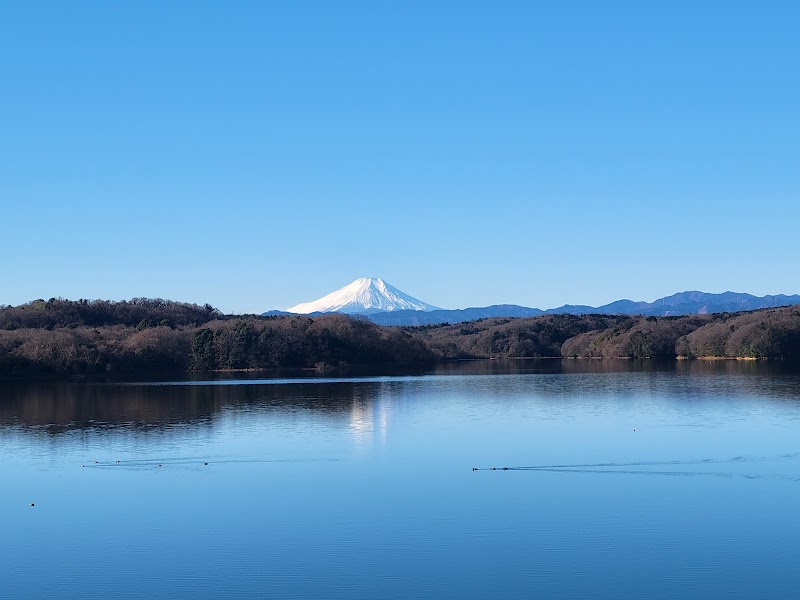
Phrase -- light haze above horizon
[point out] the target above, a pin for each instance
(259, 155)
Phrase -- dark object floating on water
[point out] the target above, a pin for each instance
(117, 462)
(32, 504)
(205, 463)
(159, 465)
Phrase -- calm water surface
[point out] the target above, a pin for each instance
(627, 481)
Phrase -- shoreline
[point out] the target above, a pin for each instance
(373, 370)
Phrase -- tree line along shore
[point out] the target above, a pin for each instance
(63, 338)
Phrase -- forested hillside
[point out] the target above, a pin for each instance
(771, 333)
(145, 337)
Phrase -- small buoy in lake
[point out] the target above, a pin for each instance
(205, 463)
(159, 465)
(32, 504)
(95, 462)
(117, 462)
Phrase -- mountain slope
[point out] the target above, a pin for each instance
(363, 296)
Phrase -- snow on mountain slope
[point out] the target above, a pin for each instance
(363, 296)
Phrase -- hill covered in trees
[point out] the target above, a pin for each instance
(771, 333)
(59, 313)
(147, 337)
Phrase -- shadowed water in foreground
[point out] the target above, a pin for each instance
(608, 480)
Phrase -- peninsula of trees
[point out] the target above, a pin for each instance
(146, 337)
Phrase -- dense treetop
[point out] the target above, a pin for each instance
(57, 312)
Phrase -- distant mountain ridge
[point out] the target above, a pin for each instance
(384, 304)
(683, 303)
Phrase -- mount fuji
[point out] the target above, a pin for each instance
(364, 296)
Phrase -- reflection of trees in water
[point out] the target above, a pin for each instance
(365, 405)
(614, 365)
(55, 408)
(680, 379)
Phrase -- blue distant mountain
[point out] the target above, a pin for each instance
(370, 306)
(684, 303)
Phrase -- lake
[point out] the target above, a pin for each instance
(626, 480)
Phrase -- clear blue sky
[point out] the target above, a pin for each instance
(258, 154)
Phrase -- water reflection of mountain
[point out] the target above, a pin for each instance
(366, 404)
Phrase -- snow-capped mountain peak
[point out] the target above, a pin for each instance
(363, 296)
